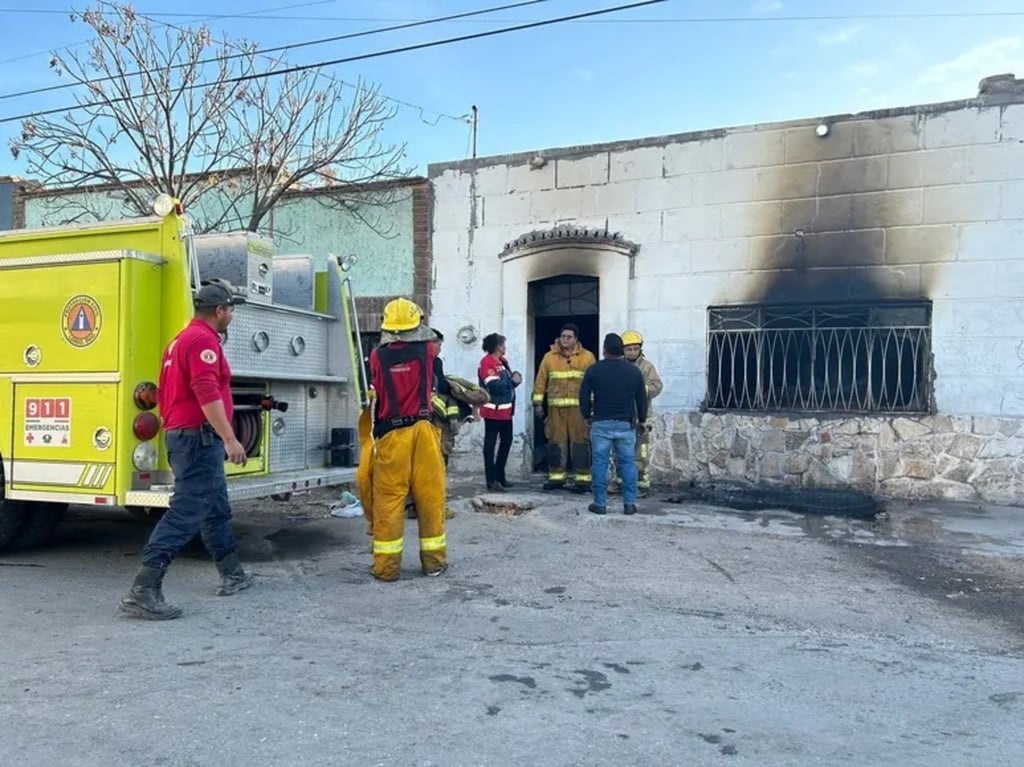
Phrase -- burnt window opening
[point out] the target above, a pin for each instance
(566, 295)
(849, 358)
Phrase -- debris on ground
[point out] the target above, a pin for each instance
(501, 505)
(347, 506)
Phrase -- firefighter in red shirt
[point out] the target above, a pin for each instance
(401, 454)
(194, 397)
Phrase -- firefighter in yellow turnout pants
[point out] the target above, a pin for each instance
(633, 346)
(558, 380)
(400, 452)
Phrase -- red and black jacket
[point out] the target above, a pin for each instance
(403, 378)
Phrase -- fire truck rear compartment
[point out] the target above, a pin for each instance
(64, 448)
(289, 355)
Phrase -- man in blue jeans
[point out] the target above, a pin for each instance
(195, 403)
(613, 400)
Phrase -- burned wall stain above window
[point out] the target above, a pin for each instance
(847, 358)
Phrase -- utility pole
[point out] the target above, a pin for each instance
(476, 123)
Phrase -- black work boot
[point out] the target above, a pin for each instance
(233, 577)
(145, 599)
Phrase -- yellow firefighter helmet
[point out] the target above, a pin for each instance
(632, 338)
(401, 315)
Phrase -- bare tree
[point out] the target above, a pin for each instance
(180, 113)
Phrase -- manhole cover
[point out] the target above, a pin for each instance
(495, 504)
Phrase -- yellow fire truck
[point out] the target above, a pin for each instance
(86, 313)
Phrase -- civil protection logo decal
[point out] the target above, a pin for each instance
(81, 321)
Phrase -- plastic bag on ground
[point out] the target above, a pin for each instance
(347, 506)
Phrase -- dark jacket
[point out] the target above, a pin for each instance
(614, 390)
(440, 382)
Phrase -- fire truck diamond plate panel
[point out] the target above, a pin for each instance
(267, 342)
(288, 450)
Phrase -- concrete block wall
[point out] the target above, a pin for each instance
(922, 202)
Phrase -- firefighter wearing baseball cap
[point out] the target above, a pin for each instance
(400, 449)
(633, 345)
(194, 397)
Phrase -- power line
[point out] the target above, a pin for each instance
(70, 46)
(258, 16)
(361, 57)
(264, 52)
(262, 15)
(438, 115)
(423, 111)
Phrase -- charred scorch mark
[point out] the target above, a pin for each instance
(833, 237)
(829, 267)
(840, 232)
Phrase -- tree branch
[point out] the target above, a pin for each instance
(175, 118)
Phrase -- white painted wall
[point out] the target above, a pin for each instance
(931, 202)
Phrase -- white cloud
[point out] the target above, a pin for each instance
(905, 49)
(958, 77)
(767, 6)
(863, 70)
(839, 36)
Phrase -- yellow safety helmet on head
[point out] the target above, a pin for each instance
(632, 338)
(401, 315)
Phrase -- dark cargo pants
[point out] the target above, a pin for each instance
(199, 503)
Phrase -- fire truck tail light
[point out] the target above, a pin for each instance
(145, 395)
(144, 456)
(145, 426)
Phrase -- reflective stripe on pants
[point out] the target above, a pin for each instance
(407, 460)
(568, 439)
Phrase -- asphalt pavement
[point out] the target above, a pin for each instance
(685, 635)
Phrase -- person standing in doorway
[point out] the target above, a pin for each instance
(500, 381)
(613, 400)
(558, 381)
(194, 397)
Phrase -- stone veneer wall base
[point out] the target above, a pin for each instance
(948, 457)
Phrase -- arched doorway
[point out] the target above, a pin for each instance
(551, 303)
(547, 276)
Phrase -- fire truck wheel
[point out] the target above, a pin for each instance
(147, 513)
(41, 519)
(12, 518)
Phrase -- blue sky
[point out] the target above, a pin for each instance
(638, 73)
